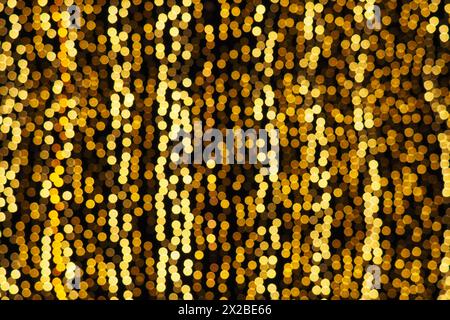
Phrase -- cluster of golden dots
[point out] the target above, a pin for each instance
(88, 116)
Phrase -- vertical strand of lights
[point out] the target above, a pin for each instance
(317, 173)
(371, 248)
(317, 143)
(53, 242)
(255, 206)
(121, 101)
(175, 22)
(433, 96)
(122, 85)
(363, 124)
(321, 205)
(66, 97)
(265, 42)
(444, 266)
